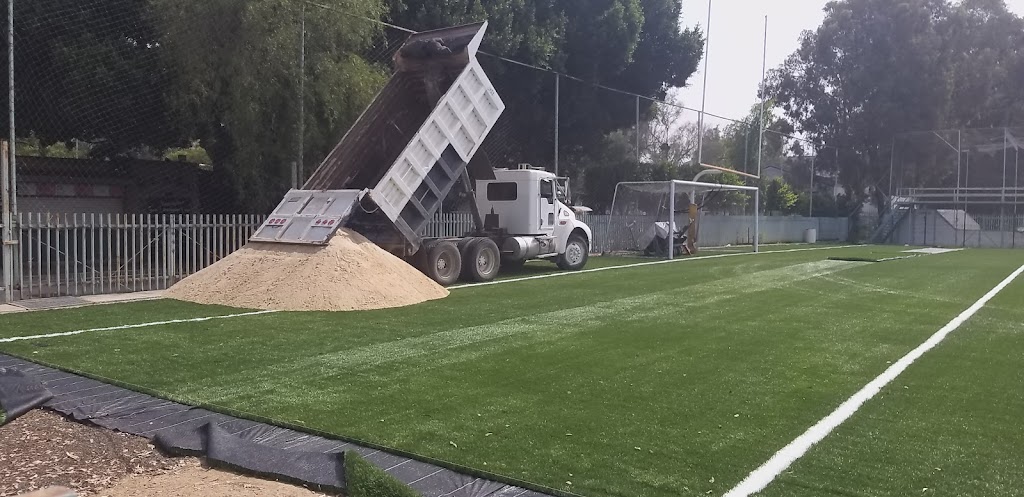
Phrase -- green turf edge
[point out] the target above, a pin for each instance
(476, 473)
(363, 479)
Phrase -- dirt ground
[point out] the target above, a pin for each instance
(42, 449)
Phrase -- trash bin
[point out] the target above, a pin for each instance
(811, 236)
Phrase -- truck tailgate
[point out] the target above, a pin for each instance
(308, 217)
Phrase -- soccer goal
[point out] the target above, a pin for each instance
(676, 218)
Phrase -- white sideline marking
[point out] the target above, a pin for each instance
(642, 264)
(764, 475)
(130, 326)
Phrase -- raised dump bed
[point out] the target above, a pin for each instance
(389, 174)
(416, 142)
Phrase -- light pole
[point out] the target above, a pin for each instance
(704, 92)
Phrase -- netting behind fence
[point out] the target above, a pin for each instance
(185, 108)
(956, 188)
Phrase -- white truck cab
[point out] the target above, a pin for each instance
(525, 205)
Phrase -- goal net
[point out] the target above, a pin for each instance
(677, 218)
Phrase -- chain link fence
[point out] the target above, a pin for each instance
(959, 188)
(137, 118)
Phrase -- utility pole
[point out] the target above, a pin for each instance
(558, 96)
(8, 175)
(764, 74)
(298, 170)
(810, 210)
(704, 95)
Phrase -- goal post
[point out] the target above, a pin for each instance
(673, 218)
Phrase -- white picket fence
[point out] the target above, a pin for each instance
(89, 254)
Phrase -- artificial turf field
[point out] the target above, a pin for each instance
(652, 380)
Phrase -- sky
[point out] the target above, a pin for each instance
(737, 38)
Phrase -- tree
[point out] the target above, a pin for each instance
(237, 78)
(90, 70)
(876, 68)
(616, 161)
(778, 197)
(636, 45)
(667, 136)
(988, 64)
(742, 139)
(32, 146)
(852, 81)
(145, 77)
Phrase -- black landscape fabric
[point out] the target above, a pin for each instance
(323, 470)
(241, 444)
(20, 393)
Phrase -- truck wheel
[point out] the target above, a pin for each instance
(464, 248)
(444, 263)
(576, 254)
(482, 260)
(463, 243)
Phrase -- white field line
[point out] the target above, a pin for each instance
(131, 326)
(642, 264)
(764, 475)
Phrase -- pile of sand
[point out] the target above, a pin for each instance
(351, 273)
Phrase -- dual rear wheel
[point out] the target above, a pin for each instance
(472, 259)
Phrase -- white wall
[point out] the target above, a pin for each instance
(726, 230)
(739, 230)
(926, 227)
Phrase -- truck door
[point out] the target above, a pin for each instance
(547, 206)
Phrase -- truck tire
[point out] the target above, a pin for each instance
(482, 260)
(464, 245)
(577, 251)
(443, 263)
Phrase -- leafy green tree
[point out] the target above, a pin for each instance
(778, 197)
(194, 153)
(89, 70)
(741, 140)
(33, 146)
(876, 68)
(636, 45)
(237, 79)
(988, 64)
(852, 80)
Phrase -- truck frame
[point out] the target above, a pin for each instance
(417, 147)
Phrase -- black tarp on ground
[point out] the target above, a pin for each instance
(20, 393)
(300, 457)
(324, 470)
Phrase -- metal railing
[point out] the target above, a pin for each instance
(964, 195)
(88, 254)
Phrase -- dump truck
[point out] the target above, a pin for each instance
(417, 148)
